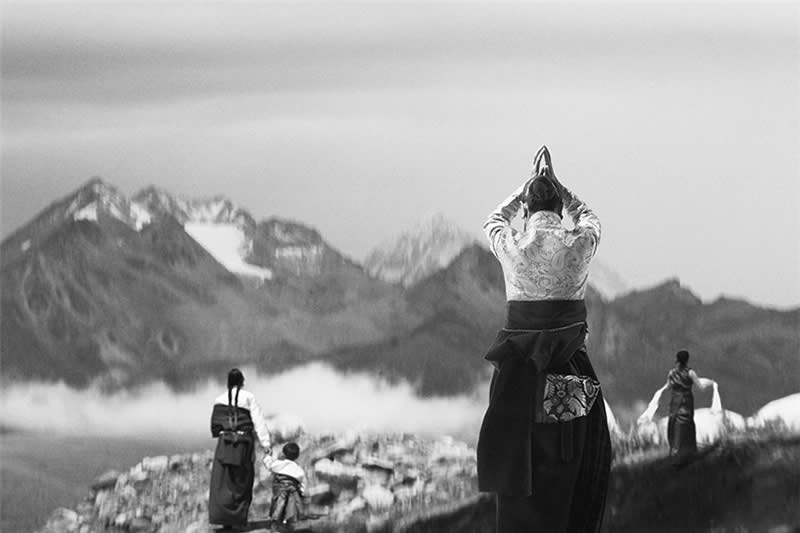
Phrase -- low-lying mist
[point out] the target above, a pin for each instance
(322, 398)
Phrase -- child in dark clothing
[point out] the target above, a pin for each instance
(287, 486)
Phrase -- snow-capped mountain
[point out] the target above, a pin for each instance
(99, 287)
(429, 246)
(217, 224)
(216, 210)
(242, 245)
(220, 226)
(291, 247)
(433, 243)
(96, 201)
(98, 198)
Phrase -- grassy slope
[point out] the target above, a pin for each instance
(745, 485)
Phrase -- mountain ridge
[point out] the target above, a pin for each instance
(104, 298)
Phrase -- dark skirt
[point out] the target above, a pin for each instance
(286, 505)
(568, 495)
(681, 431)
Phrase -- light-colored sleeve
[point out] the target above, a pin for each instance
(269, 460)
(700, 382)
(586, 222)
(260, 424)
(498, 226)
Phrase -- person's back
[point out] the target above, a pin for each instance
(681, 431)
(544, 261)
(288, 487)
(237, 423)
(544, 447)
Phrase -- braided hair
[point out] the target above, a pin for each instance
(235, 379)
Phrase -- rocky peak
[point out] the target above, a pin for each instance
(416, 253)
(97, 199)
(216, 209)
(606, 282)
(293, 248)
(290, 233)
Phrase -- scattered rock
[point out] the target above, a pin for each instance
(321, 494)
(105, 481)
(121, 520)
(63, 520)
(140, 525)
(378, 497)
(201, 526)
(356, 504)
(180, 462)
(155, 464)
(340, 476)
(350, 481)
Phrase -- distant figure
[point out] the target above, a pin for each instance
(236, 421)
(544, 445)
(287, 486)
(681, 431)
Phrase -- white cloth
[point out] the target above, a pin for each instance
(248, 401)
(545, 261)
(286, 467)
(652, 407)
(716, 402)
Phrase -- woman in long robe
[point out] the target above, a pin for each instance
(681, 430)
(237, 422)
(544, 447)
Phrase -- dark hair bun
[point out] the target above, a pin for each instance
(542, 190)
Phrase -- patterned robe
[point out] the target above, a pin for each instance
(681, 431)
(566, 464)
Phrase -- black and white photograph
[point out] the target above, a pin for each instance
(399, 266)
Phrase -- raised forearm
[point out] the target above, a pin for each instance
(501, 217)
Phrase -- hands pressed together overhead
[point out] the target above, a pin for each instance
(542, 166)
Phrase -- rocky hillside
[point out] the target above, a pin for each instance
(404, 483)
(752, 352)
(355, 483)
(418, 252)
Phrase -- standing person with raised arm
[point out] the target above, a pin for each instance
(236, 422)
(681, 430)
(544, 446)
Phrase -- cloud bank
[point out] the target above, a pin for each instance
(325, 400)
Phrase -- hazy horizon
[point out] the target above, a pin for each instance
(679, 128)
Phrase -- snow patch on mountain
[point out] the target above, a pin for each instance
(98, 197)
(88, 212)
(228, 244)
(429, 246)
(141, 216)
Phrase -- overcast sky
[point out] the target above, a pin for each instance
(679, 124)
